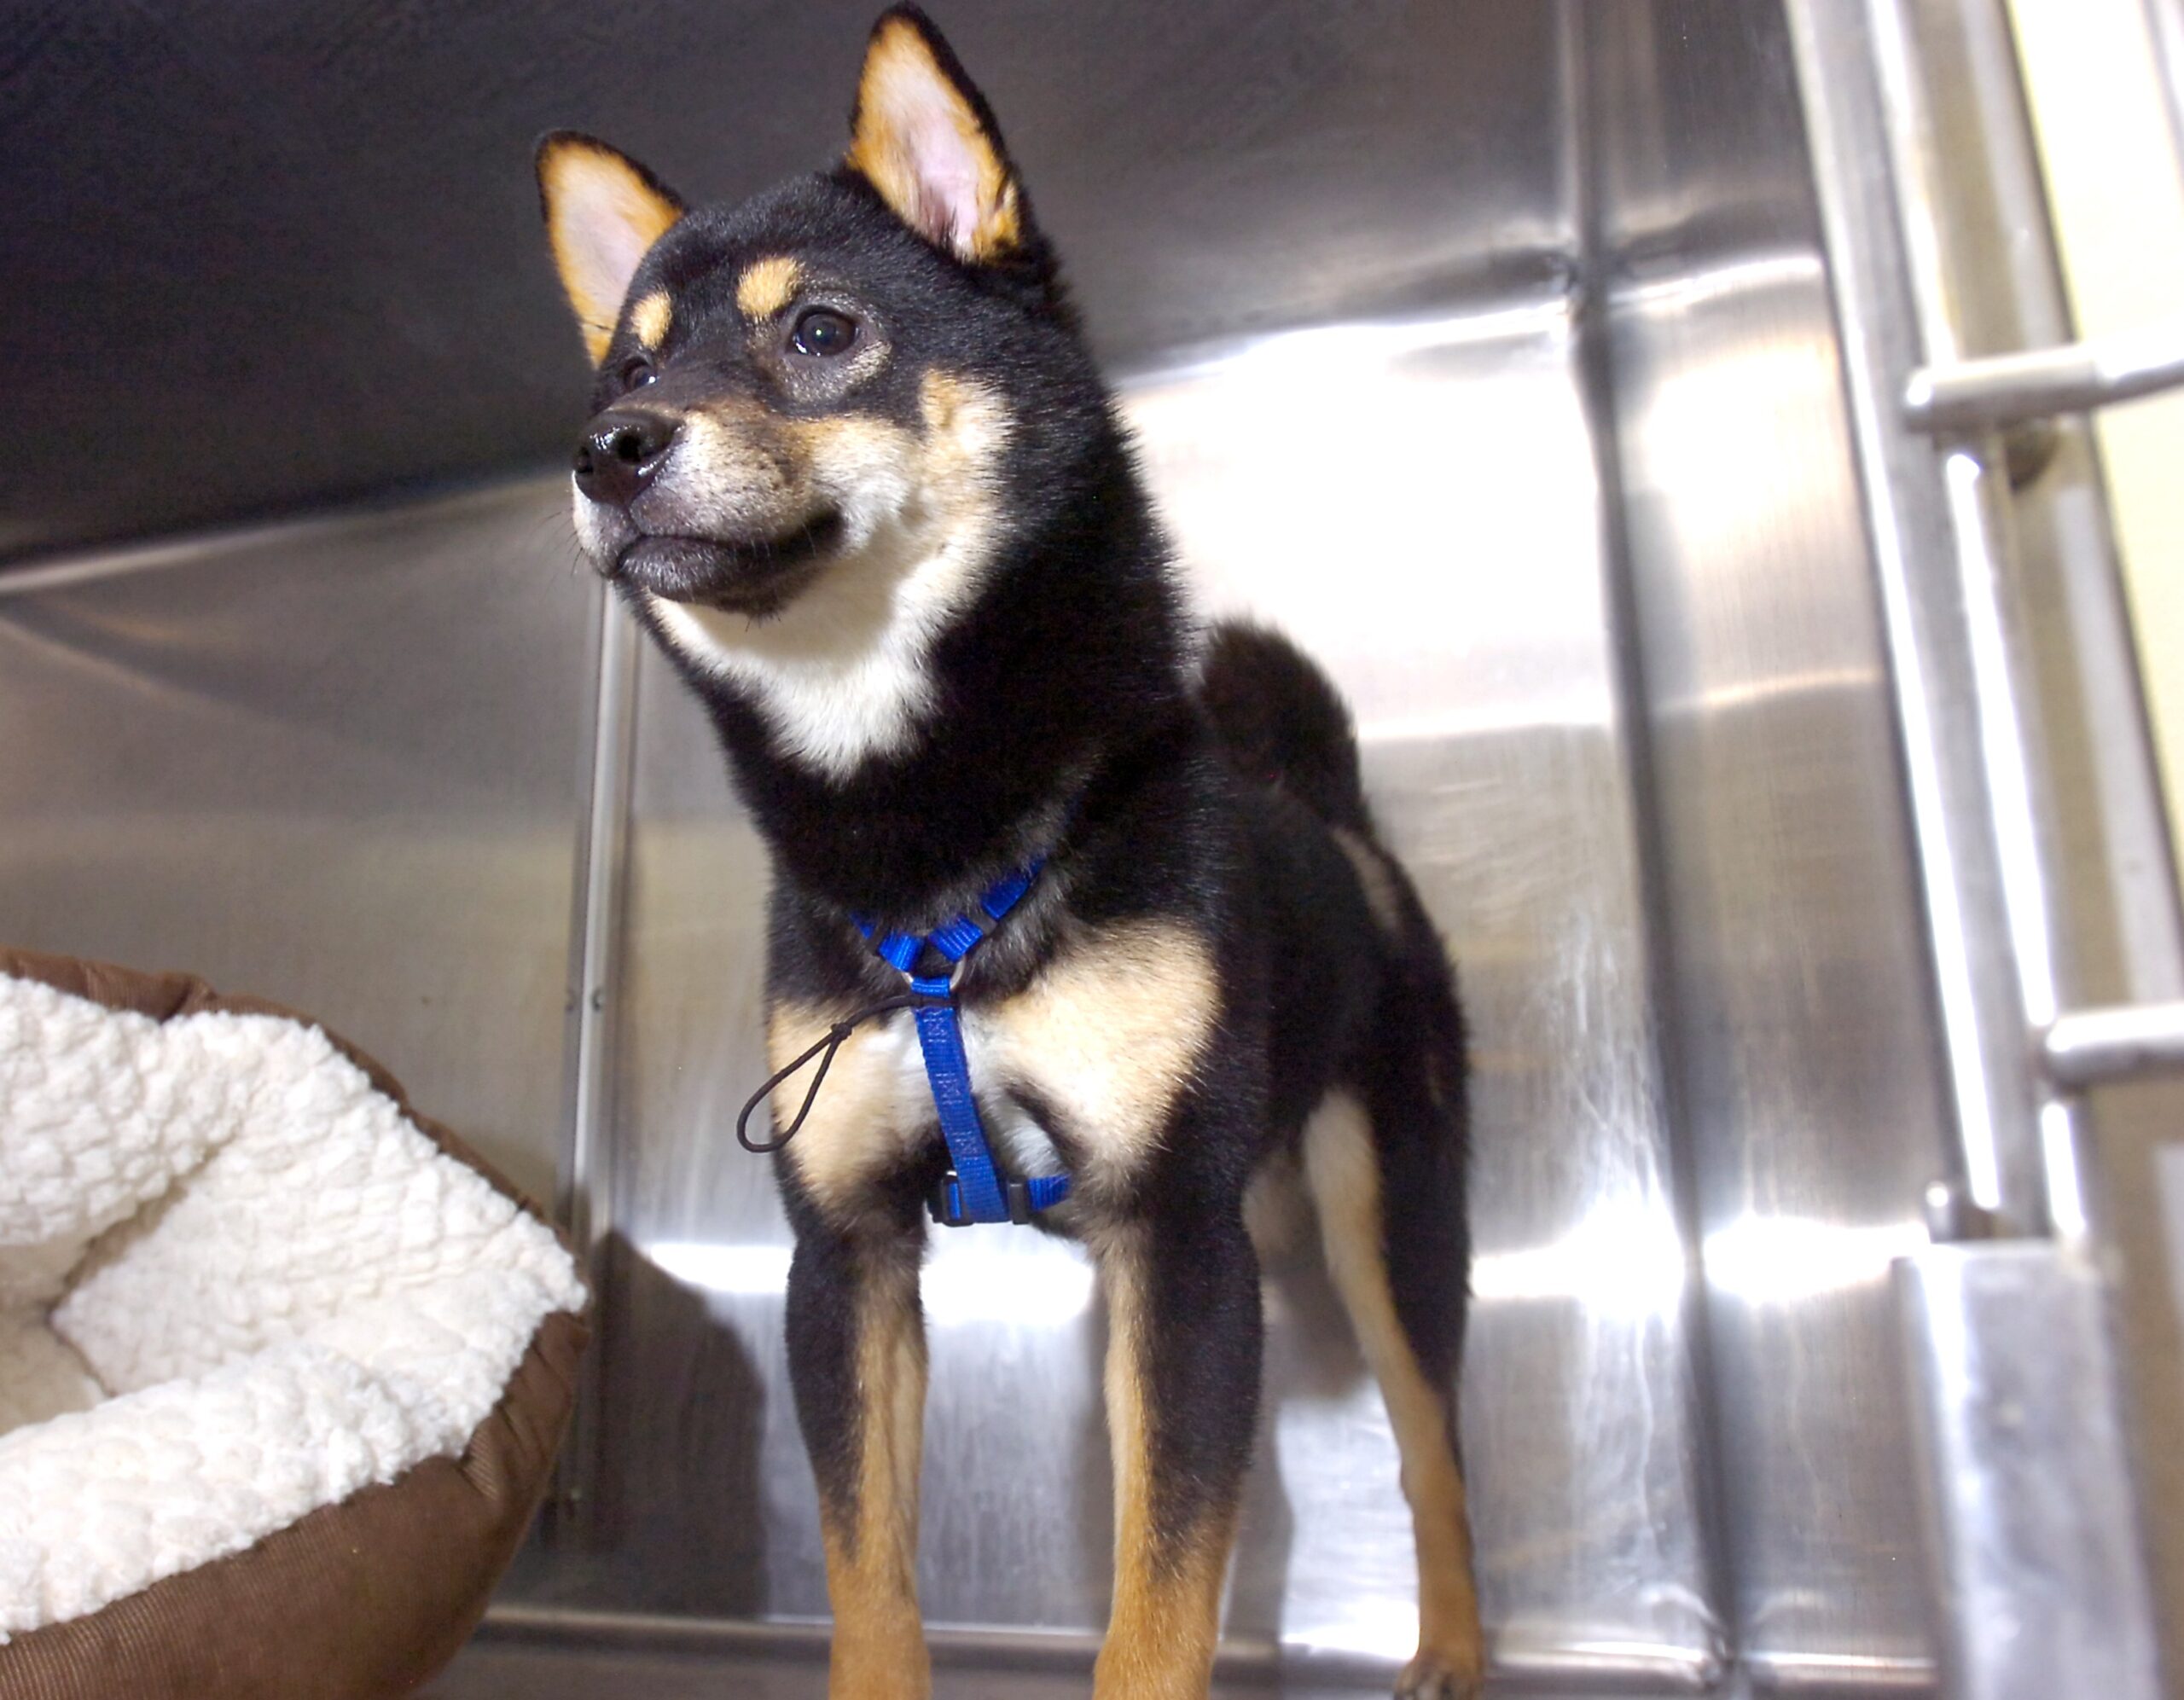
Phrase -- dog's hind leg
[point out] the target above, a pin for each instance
(1183, 1347)
(857, 1362)
(1409, 1327)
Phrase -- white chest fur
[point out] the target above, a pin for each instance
(843, 675)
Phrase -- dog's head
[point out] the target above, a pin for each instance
(824, 383)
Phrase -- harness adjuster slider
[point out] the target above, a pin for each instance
(946, 1205)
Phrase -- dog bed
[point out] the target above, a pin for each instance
(282, 1367)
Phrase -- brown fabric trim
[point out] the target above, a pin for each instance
(158, 995)
(357, 1601)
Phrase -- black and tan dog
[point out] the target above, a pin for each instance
(851, 464)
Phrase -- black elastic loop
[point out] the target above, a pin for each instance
(837, 1036)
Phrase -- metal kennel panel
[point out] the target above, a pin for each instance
(2046, 875)
(1804, 1073)
(339, 764)
(1642, 405)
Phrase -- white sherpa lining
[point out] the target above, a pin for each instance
(236, 1284)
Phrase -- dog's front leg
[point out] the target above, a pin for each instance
(1183, 1377)
(856, 1359)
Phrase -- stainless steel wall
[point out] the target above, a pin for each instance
(338, 763)
(263, 259)
(1555, 472)
(1805, 1080)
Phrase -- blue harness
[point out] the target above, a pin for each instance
(974, 1189)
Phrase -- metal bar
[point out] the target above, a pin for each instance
(2030, 1500)
(2165, 19)
(1896, 304)
(1875, 263)
(584, 1198)
(2006, 390)
(2041, 1587)
(1839, 1676)
(2093, 1047)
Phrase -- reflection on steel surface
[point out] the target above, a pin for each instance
(1622, 1262)
(1784, 1260)
(958, 1289)
(1802, 1022)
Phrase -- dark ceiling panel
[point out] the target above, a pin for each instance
(258, 255)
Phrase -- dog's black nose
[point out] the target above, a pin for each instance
(617, 459)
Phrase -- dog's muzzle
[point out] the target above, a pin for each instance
(748, 577)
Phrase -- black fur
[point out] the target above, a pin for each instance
(832, 1265)
(1059, 672)
(1071, 720)
(1283, 723)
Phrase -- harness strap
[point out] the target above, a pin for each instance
(975, 1189)
(978, 1194)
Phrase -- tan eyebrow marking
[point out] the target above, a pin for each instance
(767, 286)
(651, 318)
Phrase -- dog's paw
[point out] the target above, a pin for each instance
(1442, 1673)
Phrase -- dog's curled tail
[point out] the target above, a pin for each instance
(1282, 722)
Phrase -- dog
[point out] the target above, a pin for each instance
(851, 464)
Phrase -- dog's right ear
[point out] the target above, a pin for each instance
(603, 212)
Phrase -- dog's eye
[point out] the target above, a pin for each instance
(637, 372)
(823, 331)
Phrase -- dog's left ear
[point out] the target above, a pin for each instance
(923, 135)
(603, 212)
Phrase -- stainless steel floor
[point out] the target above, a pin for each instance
(545, 1674)
(489, 1672)
(489, 1669)
(486, 1673)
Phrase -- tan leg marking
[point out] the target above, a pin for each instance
(651, 319)
(1343, 1173)
(872, 1555)
(866, 1117)
(1109, 1034)
(1167, 1612)
(767, 286)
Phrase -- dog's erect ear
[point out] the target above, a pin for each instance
(603, 211)
(925, 139)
